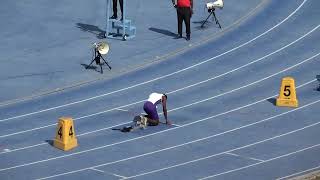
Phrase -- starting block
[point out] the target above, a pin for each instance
(65, 138)
(287, 96)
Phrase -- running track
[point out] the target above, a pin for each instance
(221, 98)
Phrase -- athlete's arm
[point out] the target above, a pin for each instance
(164, 107)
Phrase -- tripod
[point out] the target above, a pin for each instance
(214, 16)
(97, 57)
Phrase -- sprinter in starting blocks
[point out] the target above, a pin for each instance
(140, 122)
(151, 118)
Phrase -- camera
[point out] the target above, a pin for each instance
(212, 5)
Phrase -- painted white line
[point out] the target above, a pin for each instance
(22, 148)
(245, 157)
(113, 174)
(97, 170)
(123, 177)
(299, 173)
(176, 125)
(255, 164)
(158, 78)
(117, 175)
(199, 140)
(119, 109)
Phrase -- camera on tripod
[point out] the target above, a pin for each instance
(211, 6)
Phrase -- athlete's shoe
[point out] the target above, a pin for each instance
(143, 122)
(137, 120)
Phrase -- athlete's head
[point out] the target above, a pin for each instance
(165, 96)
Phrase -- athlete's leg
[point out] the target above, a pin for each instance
(152, 114)
(152, 122)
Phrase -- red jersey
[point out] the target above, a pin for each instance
(184, 3)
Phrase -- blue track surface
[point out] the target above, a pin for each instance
(221, 95)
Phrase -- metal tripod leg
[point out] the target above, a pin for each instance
(90, 63)
(106, 62)
(206, 19)
(94, 59)
(100, 64)
(216, 19)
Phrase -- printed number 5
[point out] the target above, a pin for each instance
(286, 91)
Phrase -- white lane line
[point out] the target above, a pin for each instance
(245, 157)
(97, 170)
(255, 164)
(121, 107)
(22, 148)
(199, 140)
(123, 177)
(171, 109)
(299, 173)
(158, 78)
(117, 175)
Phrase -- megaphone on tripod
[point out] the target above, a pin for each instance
(99, 49)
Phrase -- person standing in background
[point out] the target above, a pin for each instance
(184, 13)
(115, 9)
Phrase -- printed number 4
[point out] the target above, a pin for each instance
(60, 132)
(287, 91)
(70, 131)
